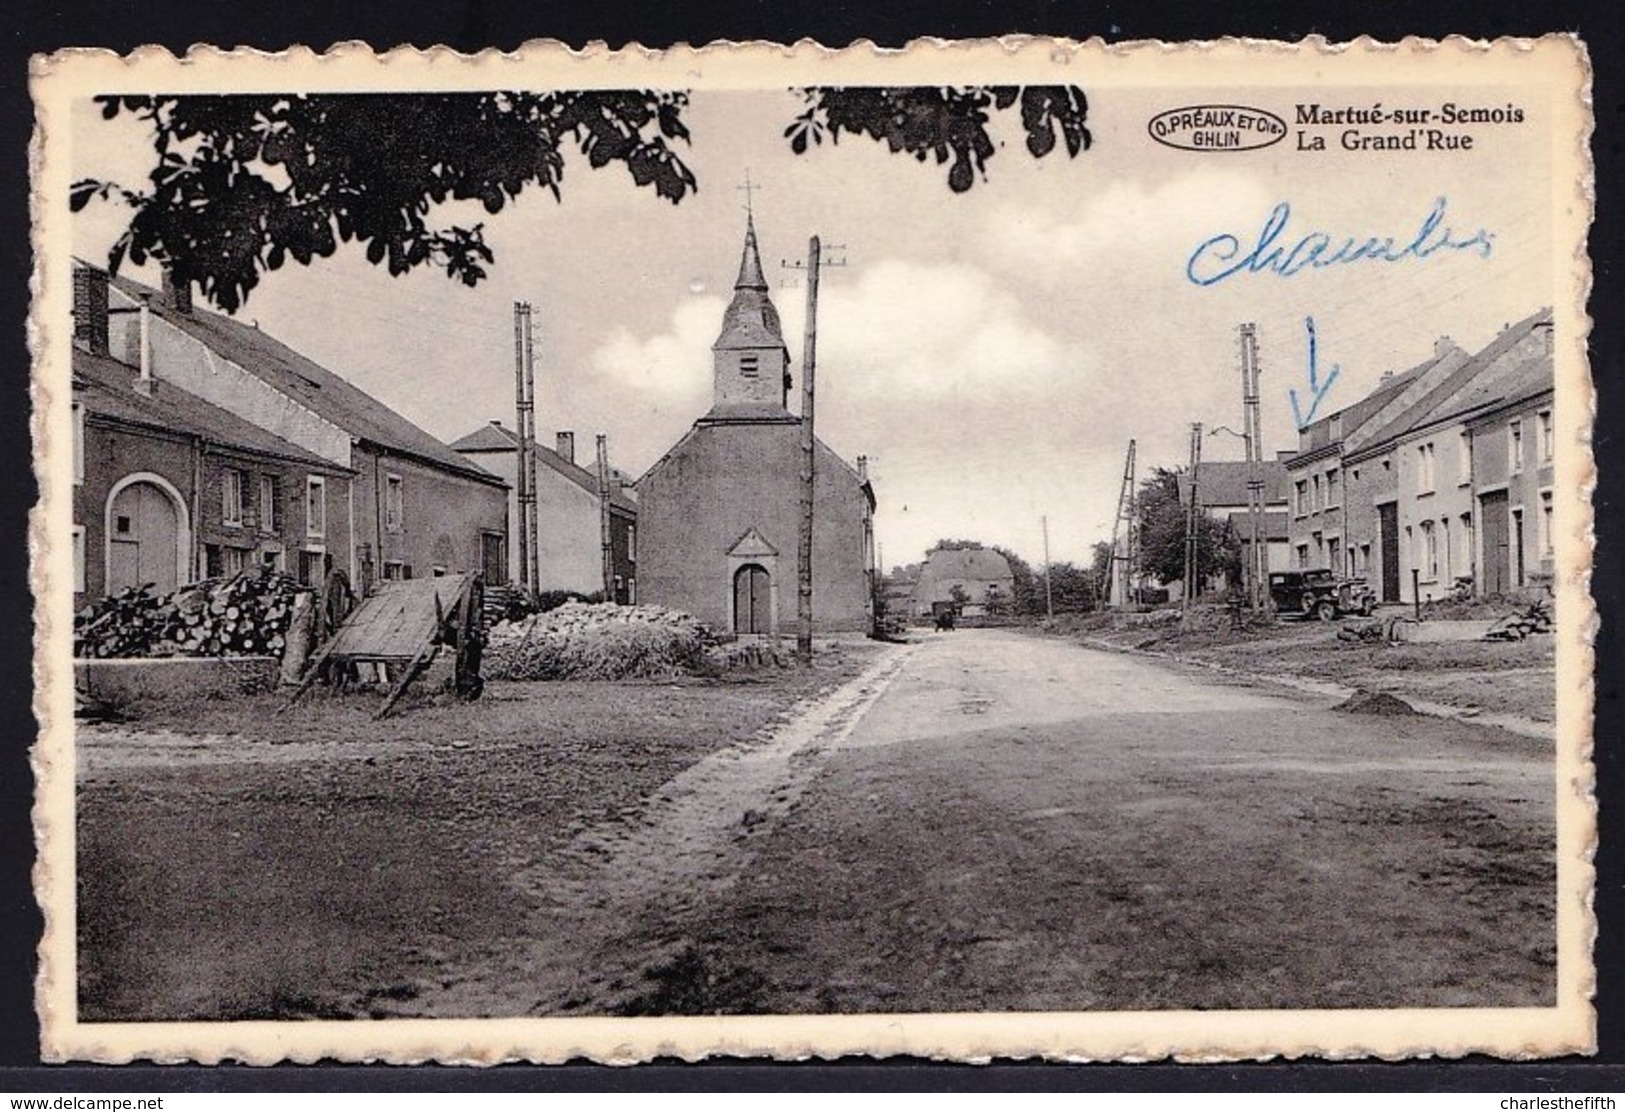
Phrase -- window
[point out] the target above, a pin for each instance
(1332, 498)
(1424, 469)
(1301, 497)
(232, 482)
(1548, 440)
(1303, 555)
(1515, 447)
(632, 542)
(632, 591)
(750, 365)
(79, 558)
(1464, 458)
(270, 504)
(315, 507)
(394, 504)
(78, 443)
(1320, 499)
(1546, 522)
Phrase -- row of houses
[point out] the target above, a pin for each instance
(1437, 482)
(203, 445)
(1442, 477)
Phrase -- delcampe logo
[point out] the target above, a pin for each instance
(1216, 127)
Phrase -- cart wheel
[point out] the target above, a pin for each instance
(1326, 611)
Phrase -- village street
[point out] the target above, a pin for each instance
(984, 819)
(990, 820)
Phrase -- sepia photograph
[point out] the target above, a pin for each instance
(1032, 549)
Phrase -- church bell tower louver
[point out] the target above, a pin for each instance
(751, 364)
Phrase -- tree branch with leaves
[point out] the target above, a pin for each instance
(241, 184)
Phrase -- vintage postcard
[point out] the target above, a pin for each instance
(1004, 549)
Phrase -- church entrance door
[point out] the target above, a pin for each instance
(753, 603)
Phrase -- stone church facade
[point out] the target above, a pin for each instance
(719, 514)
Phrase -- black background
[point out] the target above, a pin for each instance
(30, 27)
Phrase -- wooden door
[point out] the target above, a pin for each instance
(1388, 528)
(494, 558)
(753, 602)
(1497, 551)
(143, 545)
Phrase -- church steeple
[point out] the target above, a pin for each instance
(750, 360)
(750, 263)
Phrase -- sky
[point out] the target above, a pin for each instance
(990, 352)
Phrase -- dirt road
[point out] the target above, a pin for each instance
(981, 820)
(993, 821)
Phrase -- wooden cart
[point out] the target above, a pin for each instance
(404, 627)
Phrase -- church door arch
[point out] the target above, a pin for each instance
(753, 600)
(148, 539)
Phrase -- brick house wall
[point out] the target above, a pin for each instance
(440, 521)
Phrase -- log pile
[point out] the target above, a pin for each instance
(246, 614)
(598, 641)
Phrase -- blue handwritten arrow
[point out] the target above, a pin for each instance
(1317, 388)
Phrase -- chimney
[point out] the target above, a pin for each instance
(863, 468)
(90, 309)
(566, 442)
(177, 294)
(144, 383)
(1443, 346)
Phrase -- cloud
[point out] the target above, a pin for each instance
(1126, 230)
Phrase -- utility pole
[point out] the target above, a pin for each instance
(809, 358)
(804, 544)
(1193, 574)
(524, 374)
(1253, 435)
(1119, 570)
(1049, 597)
(604, 543)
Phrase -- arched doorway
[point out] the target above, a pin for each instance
(753, 600)
(147, 536)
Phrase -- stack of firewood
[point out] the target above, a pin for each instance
(246, 614)
(125, 623)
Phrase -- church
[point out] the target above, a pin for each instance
(719, 514)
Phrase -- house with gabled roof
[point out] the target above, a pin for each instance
(976, 580)
(169, 489)
(719, 514)
(410, 506)
(569, 531)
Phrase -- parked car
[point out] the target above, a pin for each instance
(1318, 592)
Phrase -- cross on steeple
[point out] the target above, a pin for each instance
(747, 189)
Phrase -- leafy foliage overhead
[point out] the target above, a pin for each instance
(242, 183)
(944, 123)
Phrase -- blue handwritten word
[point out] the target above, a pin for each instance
(1317, 387)
(1222, 256)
